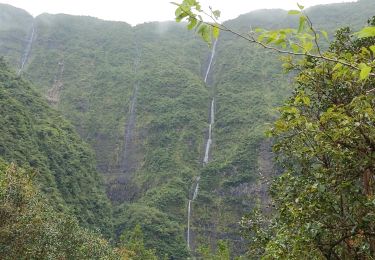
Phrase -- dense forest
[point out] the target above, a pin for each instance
(123, 142)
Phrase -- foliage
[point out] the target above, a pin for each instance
(222, 252)
(133, 241)
(159, 231)
(31, 229)
(325, 196)
(36, 137)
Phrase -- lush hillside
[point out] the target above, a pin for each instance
(137, 96)
(35, 136)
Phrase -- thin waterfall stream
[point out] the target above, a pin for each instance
(206, 157)
(26, 53)
(125, 165)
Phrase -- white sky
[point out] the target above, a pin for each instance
(139, 11)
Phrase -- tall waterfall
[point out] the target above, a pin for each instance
(126, 162)
(207, 147)
(26, 53)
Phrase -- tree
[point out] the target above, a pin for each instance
(222, 252)
(31, 229)
(133, 242)
(325, 142)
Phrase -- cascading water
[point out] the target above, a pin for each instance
(208, 144)
(209, 139)
(210, 63)
(26, 53)
(196, 188)
(125, 165)
(188, 225)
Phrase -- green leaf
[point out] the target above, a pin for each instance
(307, 46)
(365, 71)
(325, 35)
(280, 41)
(372, 48)
(302, 21)
(192, 23)
(215, 31)
(294, 47)
(216, 13)
(301, 7)
(337, 66)
(306, 100)
(292, 12)
(366, 32)
(204, 32)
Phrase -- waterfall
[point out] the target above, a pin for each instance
(209, 139)
(126, 163)
(210, 63)
(26, 53)
(196, 188)
(188, 231)
(207, 147)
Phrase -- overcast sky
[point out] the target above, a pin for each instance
(139, 11)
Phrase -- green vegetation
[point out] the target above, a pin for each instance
(325, 140)
(36, 137)
(31, 229)
(325, 196)
(91, 70)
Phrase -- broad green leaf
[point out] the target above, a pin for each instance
(192, 23)
(294, 47)
(302, 20)
(325, 35)
(204, 32)
(365, 71)
(337, 66)
(215, 31)
(280, 41)
(372, 48)
(307, 46)
(292, 12)
(178, 11)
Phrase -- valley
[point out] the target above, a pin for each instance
(146, 125)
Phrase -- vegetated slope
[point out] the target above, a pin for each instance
(92, 67)
(35, 136)
(170, 125)
(84, 67)
(88, 69)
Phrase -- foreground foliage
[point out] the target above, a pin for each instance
(31, 229)
(325, 203)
